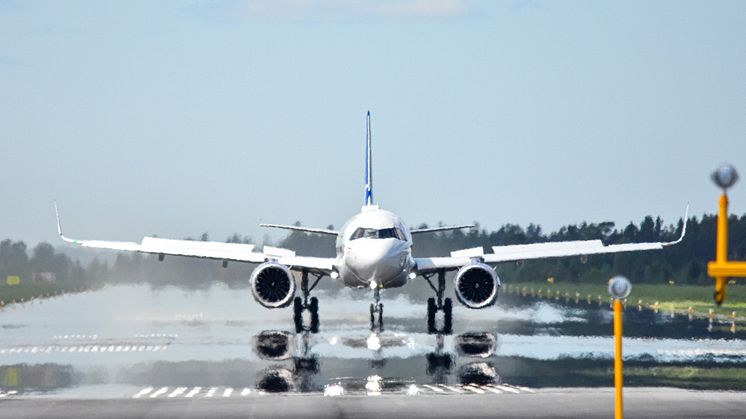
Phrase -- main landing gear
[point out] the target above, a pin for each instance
(302, 304)
(376, 308)
(434, 305)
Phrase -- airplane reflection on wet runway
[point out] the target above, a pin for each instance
(142, 344)
(280, 345)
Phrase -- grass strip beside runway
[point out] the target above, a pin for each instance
(678, 296)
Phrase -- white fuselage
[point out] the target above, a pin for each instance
(374, 249)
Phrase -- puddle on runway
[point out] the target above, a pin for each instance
(122, 339)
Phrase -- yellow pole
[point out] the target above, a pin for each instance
(618, 377)
(721, 252)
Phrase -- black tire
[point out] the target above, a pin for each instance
(447, 316)
(314, 305)
(372, 316)
(431, 315)
(380, 316)
(315, 321)
(298, 314)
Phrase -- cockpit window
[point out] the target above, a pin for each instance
(372, 233)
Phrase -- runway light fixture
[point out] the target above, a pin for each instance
(412, 275)
(619, 287)
(725, 176)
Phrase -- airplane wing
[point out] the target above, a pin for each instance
(234, 252)
(521, 252)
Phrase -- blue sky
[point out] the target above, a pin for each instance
(174, 118)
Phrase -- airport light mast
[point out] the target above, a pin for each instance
(619, 289)
(722, 269)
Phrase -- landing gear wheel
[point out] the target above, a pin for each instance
(314, 308)
(439, 303)
(300, 304)
(447, 316)
(431, 309)
(376, 308)
(298, 314)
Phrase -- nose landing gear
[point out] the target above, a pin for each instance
(437, 304)
(302, 304)
(376, 308)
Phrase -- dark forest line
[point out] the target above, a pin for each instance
(683, 263)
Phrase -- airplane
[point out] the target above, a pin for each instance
(373, 250)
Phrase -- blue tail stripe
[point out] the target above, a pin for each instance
(368, 164)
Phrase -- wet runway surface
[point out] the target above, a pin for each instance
(136, 343)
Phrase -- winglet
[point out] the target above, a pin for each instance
(683, 230)
(59, 227)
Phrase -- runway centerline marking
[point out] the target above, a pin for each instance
(228, 391)
(245, 391)
(211, 391)
(433, 388)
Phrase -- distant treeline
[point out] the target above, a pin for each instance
(685, 262)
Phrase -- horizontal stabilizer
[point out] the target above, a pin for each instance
(302, 229)
(444, 228)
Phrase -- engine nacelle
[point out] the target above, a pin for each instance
(273, 285)
(476, 285)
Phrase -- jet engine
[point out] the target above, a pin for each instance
(272, 284)
(476, 285)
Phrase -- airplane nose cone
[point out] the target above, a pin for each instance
(379, 260)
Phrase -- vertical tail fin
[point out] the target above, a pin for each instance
(368, 164)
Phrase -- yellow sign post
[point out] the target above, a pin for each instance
(619, 289)
(618, 365)
(721, 269)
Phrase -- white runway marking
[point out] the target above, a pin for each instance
(143, 392)
(474, 389)
(508, 389)
(335, 389)
(179, 391)
(491, 389)
(158, 392)
(193, 392)
(453, 389)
